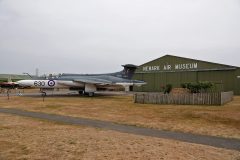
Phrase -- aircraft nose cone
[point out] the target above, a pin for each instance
(22, 83)
(19, 83)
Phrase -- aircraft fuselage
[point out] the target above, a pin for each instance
(49, 83)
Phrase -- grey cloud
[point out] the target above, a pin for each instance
(98, 36)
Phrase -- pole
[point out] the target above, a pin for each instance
(8, 94)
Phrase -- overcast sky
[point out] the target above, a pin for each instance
(94, 36)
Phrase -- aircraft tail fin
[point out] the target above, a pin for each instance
(128, 71)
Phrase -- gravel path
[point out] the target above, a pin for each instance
(233, 144)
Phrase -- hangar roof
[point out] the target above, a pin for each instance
(170, 63)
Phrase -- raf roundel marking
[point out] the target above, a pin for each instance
(51, 83)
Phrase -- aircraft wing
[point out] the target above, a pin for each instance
(96, 81)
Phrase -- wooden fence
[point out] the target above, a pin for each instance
(226, 97)
(218, 98)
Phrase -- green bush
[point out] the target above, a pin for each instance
(205, 86)
(184, 85)
(168, 89)
(198, 87)
(3, 80)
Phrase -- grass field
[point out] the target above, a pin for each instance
(207, 120)
(25, 138)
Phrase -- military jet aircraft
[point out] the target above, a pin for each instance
(9, 84)
(87, 83)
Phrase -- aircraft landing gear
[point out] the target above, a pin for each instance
(43, 94)
(91, 94)
(81, 92)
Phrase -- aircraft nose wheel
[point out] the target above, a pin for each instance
(43, 94)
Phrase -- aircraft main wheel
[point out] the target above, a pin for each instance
(81, 92)
(91, 94)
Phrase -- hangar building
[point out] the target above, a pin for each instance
(177, 70)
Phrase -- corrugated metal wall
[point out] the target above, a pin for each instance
(224, 80)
